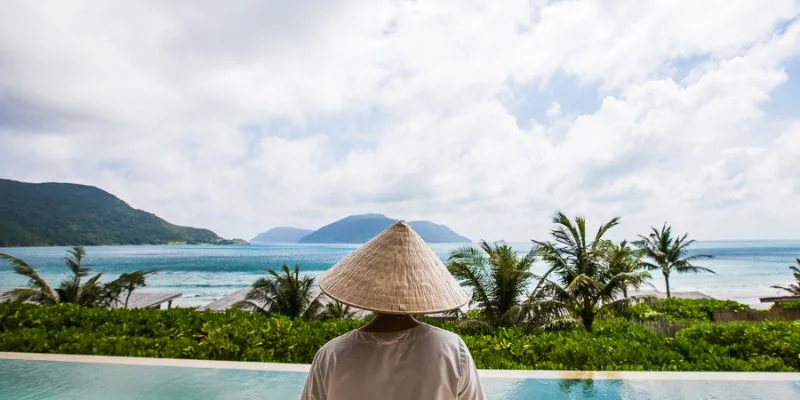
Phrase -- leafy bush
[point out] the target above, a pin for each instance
(676, 309)
(614, 346)
(788, 305)
(742, 346)
(246, 336)
(176, 333)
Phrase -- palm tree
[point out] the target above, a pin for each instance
(284, 293)
(668, 254)
(89, 293)
(337, 310)
(38, 291)
(71, 290)
(583, 283)
(498, 278)
(622, 258)
(793, 289)
(127, 283)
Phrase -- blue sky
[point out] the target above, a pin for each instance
(485, 116)
(782, 103)
(531, 102)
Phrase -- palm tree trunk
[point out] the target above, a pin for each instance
(666, 280)
(587, 317)
(128, 298)
(588, 322)
(625, 291)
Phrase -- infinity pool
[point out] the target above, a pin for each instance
(70, 377)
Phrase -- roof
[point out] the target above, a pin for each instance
(227, 301)
(779, 298)
(138, 299)
(5, 295)
(147, 299)
(663, 295)
(230, 300)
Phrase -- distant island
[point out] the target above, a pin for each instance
(361, 228)
(60, 214)
(281, 234)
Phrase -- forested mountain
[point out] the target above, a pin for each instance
(47, 214)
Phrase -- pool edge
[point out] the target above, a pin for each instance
(484, 373)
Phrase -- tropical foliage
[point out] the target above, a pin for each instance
(794, 288)
(498, 278)
(337, 310)
(283, 292)
(75, 289)
(126, 284)
(580, 280)
(787, 305)
(622, 258)
(246, 336)
(667, 253)
(681, 310)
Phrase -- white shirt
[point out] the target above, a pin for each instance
(423, 362)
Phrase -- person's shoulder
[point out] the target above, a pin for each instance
(442, 334)
(445, 343)
(336, 345)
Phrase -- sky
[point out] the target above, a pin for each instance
(486, 116)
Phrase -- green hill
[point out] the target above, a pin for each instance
(51, 214)
(361, 228)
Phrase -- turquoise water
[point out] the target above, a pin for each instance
(745, 270)
(42, 380)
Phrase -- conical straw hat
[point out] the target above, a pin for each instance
(394, 273)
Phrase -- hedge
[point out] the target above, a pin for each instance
(245, 336)
(788, 305)
(683, 310)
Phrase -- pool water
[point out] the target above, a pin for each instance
(25, 379)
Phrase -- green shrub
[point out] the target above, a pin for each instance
(245, 336)
(787, 305)
(742, 346)
(682, 310)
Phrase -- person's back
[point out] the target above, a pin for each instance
(395, 275)
(423, 362)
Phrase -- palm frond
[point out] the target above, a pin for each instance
(605, 228)
(28, 295)
(74, 260)
(91, 293)
(669, 253)
(312, 309)
(586, 272)
(469, 266)
(251, 306)
(474, 326)
(648, 265)
(283, 292)
(793, 289)
(35, 282)
(497, 277)
(691, 268)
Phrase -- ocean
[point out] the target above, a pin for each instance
(744, 269)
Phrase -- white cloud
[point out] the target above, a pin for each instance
(239, 118)
(554, 110)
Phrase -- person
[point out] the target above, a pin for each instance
(396, 275)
